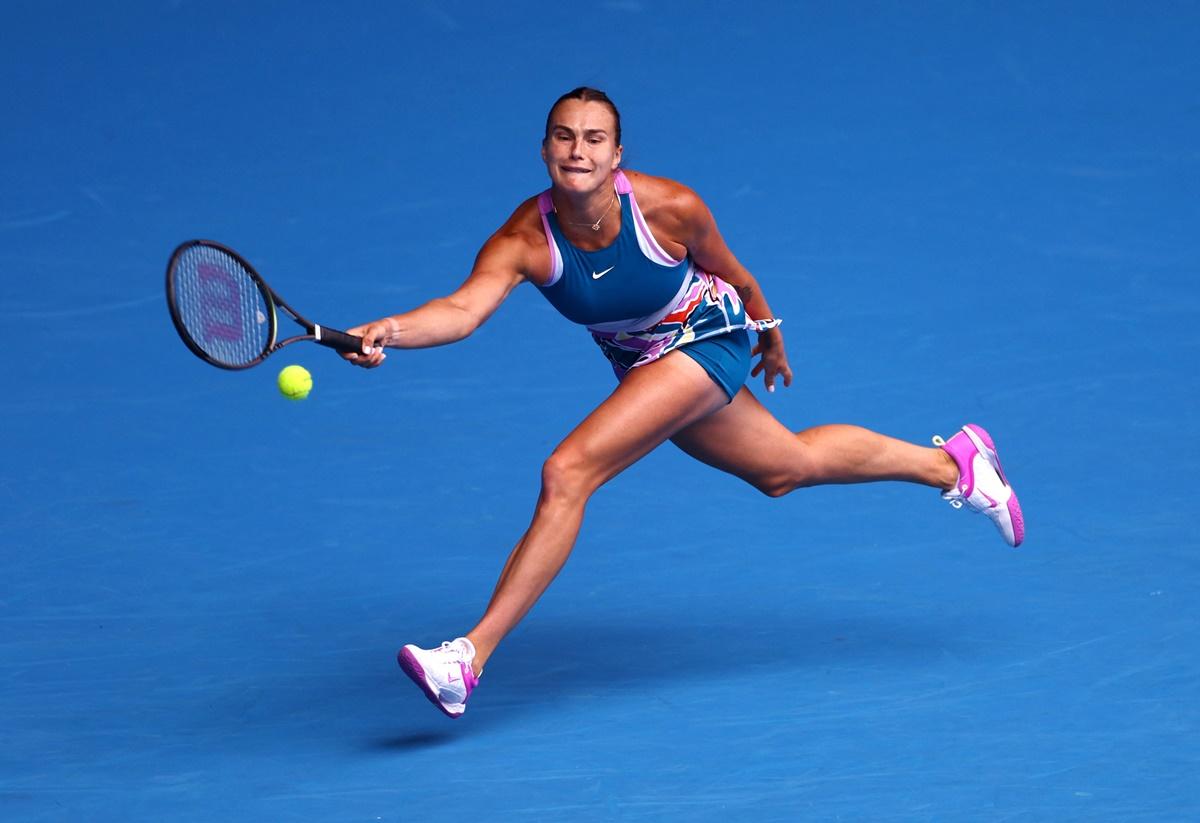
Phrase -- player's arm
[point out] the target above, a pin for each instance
(697, 229)
(449, 319)
(499, 268)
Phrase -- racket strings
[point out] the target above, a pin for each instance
(221, 306)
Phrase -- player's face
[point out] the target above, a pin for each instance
(581, 152)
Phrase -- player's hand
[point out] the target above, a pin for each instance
(773, 361)
(375, 336)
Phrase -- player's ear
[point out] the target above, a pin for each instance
(617, 157)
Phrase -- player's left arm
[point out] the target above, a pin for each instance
(698, 231)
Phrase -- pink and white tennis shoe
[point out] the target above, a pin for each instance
(981, 485)
(444, 673)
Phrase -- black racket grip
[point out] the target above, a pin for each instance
(339, 340)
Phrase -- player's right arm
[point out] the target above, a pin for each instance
(503, 263)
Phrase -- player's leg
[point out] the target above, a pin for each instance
(746, 440)
(652, 403)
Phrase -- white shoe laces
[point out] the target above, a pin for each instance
(454, 651)
(450, 649)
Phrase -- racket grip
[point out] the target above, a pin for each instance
(339, 340)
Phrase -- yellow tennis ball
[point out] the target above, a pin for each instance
(295, 382)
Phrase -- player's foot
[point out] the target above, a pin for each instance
(981, 484)
(444, 673)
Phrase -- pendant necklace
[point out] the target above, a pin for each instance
(596, 226)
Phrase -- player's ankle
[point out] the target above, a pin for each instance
(947, 476)
(482, 652)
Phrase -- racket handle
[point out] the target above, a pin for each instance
(339, 340)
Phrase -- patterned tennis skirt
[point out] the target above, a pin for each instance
(707, 306)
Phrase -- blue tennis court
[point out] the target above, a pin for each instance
(963, 212)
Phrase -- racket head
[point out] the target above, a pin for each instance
(221, 307)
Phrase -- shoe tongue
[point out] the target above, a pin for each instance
(467, 647)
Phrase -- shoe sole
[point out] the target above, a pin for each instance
(993, 457)
(416, 672)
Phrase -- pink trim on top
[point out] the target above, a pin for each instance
(646, 240)
(545, 206)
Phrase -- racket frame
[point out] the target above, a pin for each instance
(331, 338)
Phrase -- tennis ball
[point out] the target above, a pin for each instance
(295, 382)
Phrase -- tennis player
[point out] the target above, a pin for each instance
(639, 261)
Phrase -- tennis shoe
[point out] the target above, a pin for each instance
(982, 486)
(444, 673)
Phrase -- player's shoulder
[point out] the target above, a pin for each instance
(520, 243)
(671, 208)
(523, 226)
(656, 194)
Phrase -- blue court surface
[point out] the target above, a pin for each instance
(965, 212)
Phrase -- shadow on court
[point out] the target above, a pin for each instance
(553, 664)
(556, 664)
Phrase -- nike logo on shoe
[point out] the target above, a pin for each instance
(597, 276)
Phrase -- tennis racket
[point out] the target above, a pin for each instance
(227, 314)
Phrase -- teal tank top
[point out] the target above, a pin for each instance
(630, 280)
(638, 302)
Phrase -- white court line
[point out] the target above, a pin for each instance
(83, 311)
(28, 222)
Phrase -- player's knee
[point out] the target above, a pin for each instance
(774, 487)
(564, 476)
(779, 485)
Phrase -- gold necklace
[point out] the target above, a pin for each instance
(596, 226)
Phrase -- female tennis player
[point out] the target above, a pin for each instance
(639, 261)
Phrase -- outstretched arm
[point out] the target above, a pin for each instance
(499, 268)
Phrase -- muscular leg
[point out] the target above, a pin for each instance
(747, 441)
(652, 403)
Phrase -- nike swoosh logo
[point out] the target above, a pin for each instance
(597, 276)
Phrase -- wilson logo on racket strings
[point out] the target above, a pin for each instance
(220, 303)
